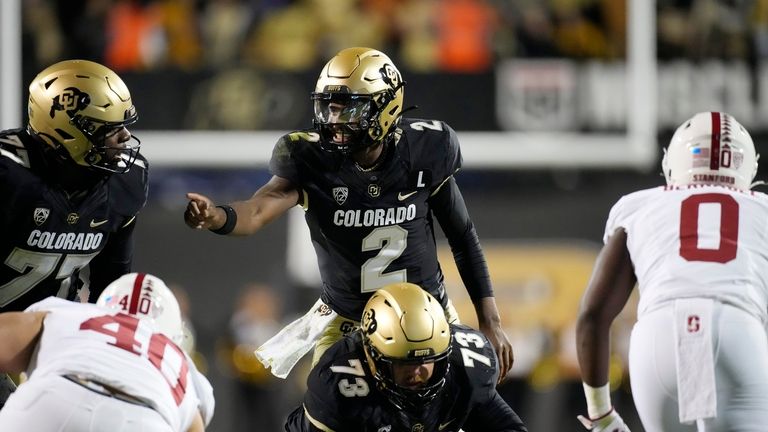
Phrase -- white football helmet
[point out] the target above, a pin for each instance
(710, 148)
(146, 296)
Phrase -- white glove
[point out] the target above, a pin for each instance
(609, 422)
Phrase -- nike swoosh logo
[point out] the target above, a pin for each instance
(401, 196)
(444, 425)
(95, 224)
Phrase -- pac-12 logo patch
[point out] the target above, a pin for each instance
(40, 215)
(340, 194)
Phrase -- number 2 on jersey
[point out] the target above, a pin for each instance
(706, 217)
(391, 241)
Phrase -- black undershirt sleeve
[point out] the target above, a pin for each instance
(451, 213)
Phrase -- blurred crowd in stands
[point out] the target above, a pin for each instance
(462, 36)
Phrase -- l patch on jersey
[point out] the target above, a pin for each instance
(420, 179)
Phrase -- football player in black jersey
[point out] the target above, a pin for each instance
(372, 184)
(72, 182)
(406, 369)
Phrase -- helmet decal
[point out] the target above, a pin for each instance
(710, 148)
(369, 321)
(71, 100)
(145, 296)
(133, 306)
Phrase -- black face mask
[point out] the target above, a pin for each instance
(407, 398)
(343, 121)
(114, 160)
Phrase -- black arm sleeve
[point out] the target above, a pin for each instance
(448, 207)
(298, 422)
(494, 416)
(112, 262)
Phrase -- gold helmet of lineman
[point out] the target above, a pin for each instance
(358, 100)
(402, 323)
(75, 105)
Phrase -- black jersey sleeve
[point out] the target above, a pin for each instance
(129, 191)
(451, 213)
(473, 358)
(476, 371)
(339, 388)
(493, 415)
(112, 262)
(298, 421)
(128, 196)
(282, 163)
(453, 159)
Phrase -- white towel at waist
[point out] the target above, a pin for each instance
(694, 356)
(286, 348)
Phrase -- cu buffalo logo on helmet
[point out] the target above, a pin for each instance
(390, 75)
(369, 321)
(71, 100)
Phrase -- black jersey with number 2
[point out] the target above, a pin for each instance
(372, 227)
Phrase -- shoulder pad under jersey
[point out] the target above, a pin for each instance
(430, 145)
(473, 359)
(298, 151)
(13, 148)
(51, 303)
(129, 191)
(627, 207)
(340, 384)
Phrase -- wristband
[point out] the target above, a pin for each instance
(230, 223)
(598, 400)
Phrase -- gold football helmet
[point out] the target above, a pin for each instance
(358, 100)
(75, 105)
(402, 323)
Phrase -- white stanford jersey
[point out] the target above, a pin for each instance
(697, 241)
(124, 352)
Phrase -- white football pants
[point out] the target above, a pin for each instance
(741, 372)
(54, 404)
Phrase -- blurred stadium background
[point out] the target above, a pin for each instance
(562, 106)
